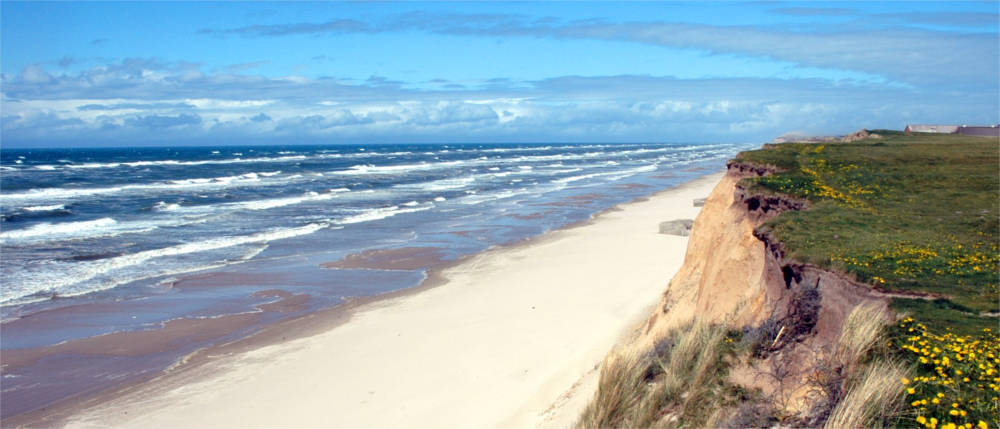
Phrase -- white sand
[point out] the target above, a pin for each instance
(511, 340)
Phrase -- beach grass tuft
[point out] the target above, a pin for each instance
(856, 386)
(680, 382)
(873, 401)
(862, 329)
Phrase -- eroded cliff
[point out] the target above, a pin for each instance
(737, 276)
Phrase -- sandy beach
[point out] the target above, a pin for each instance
(510, 337)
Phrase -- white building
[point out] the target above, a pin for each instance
(940, 129)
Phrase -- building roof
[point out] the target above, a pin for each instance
(992, 131)
(945, 129)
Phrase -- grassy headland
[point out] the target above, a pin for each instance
(917, 216)
(913, 216)
(906, 213)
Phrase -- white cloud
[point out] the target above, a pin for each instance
(871, 44)
(117, 102)
(214, 104)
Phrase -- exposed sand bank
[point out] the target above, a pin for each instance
(511, 339)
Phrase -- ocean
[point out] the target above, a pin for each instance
(102, 241)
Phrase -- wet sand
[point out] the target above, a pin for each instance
(44, 372)
(506, 338)
(405, 258)
(119, 355)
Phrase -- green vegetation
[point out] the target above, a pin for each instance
(865, 378)
(956, 377)
(681, 382)
(906, 213)
(916, 216)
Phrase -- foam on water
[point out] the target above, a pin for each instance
(382, 213)
(48, 208)
(281, 202)
(163, 206)
(84, 230)
(59, 231)
(476, 199)
(172, 185)
(441, 185)
(614, 175)
(174, 162)
(78, 277)
(369, 169)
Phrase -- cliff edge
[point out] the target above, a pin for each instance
(799, 261)
(736, 276)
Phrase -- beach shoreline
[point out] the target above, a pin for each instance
(207, 361)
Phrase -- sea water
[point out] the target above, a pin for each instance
(93, 240)
(76, 221)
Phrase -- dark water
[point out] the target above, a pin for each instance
(106, 232)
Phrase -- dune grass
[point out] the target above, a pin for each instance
(873, 401)
(684, 382)
(862, 329)
(679, 383)
(865, 391)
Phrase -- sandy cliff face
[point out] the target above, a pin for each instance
(724, 269)
(735, 276)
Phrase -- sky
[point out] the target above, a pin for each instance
(183, 73)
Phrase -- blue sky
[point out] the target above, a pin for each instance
(138, 73)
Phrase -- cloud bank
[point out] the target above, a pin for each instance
(905, 54)
(925, 76)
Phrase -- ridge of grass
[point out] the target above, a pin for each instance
(904, 213)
